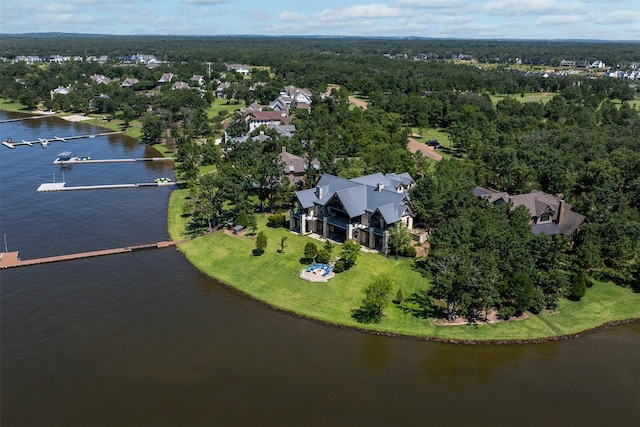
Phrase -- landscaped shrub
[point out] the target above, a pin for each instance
(339, 266)
(276, 220)
(578, 286)
(242, 219)
(323, 256)
(310, 250)
(506, 312)
(538, 301)
(261, 244)
(407, 251)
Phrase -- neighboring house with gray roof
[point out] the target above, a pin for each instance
(180, 85)
(286, 131)
(198, 79)
(362, 208)
(129, 81)
(295, 167)
(166, 78)
(102, 79)
(549, 214)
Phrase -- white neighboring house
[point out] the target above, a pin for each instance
(221, 87)
(296, 94)
(60, 90)
(166, 78)
(256, 119)
(198, 79)
(597, 64)
(239, 68)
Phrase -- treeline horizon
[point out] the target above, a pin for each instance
(535, 52)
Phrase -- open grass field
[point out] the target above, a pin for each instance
(635, 103)
(16, 107)
(274, 279)
(431, 133)
(222, 104)
(543, 97)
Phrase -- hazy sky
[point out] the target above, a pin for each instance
(527, 19)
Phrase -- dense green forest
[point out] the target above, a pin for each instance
(583, 144)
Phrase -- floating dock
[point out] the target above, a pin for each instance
(44, 142)
(11, 259)
(49, 187)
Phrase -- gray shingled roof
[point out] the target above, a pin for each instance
(571, 222)
(549, 228)
(491, 195)
(390, 181)
(358, 197)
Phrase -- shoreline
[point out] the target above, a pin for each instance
(428, 338)
(374, 331)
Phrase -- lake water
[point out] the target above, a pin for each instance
(144, 339)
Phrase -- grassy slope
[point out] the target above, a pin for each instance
(274, 278)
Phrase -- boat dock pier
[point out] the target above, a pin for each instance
(25, 118)
(44, 142)
(11, 259)
(74, 160)
(49, 187)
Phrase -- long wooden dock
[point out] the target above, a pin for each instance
(12, 259)
(82, 160)
(44, 142)
(49, 187)
(25, 118)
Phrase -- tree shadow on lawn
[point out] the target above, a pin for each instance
(421, 305)
(362, 315)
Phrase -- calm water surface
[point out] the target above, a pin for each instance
(143, 339)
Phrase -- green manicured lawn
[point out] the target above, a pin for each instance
(222, 104)
(162, 149)
(635, 103)
(274, 279)
(543, 97)
(207, 169)
(430, 133)
(7, 105)
(177, 221)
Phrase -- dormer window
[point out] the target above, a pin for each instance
(545, 218)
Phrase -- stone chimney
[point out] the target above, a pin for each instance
(380, 186)
(284, 149)
(561, 210)
(319, 192)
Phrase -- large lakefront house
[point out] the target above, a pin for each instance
(549, 214)
(361, 208)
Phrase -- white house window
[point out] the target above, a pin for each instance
(545, 218)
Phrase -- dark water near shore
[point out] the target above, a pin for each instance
(143, 339)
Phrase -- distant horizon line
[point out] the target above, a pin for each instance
(316, 36)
